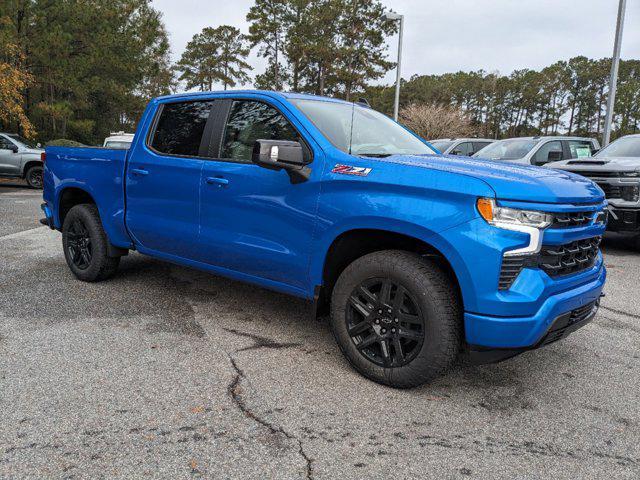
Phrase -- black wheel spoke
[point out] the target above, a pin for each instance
(366, 293)
(398, 301)
(385, 292)
(385, 322)
(367, 342)
(360, 307)
(409, 318)
(410, 334)
(397, 347)
(384, 351)
(359, 329)
(79, 244)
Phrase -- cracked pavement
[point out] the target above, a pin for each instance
(168, 372)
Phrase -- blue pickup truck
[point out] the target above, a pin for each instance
(418, 257)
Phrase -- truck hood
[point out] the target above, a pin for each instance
(598, 164)
(510, 181)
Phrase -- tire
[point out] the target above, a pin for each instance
(34, 176)
(429, 304)
(82, 233)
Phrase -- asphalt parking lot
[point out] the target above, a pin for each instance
(169, 372)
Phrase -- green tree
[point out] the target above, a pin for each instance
(215, 55)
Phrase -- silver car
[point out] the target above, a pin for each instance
(19, 158)
(460, 146)
(539, 150)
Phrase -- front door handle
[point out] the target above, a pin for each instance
(139, 171)
(221, 182)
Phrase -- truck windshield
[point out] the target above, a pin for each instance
(507, 149)
(623, 147)
(23, 141)
(361, 131)
(442, 145)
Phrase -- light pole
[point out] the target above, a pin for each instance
(613, 81)
(391, 16)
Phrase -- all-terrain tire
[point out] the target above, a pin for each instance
(435, 297)
(100, 266)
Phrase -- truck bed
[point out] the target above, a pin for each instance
(96, 170)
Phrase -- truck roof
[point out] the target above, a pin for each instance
(269, 93)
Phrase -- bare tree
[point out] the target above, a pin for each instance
(437, 121)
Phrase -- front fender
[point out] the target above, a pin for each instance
(432, 238)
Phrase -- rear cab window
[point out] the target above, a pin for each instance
(180, 128)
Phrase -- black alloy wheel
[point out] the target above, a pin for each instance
(385, 322)
(79, 245)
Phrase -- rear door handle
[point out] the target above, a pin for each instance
(139, 171)
(221, 182)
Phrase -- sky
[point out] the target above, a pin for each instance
(443, 36)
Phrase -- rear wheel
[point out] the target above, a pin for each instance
(86, 246)
(34, 176)
(396, 317)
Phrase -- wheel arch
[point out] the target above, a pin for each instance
(28, 165)
(68, 198)
(354, 243)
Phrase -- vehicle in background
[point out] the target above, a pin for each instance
(119, 141)
(616, 169)
(460, 146)
(539, 150)
(20, 158)
(416, 256)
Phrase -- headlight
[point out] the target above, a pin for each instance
(500, 216)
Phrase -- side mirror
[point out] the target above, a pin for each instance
(14, 148)
(471, 154)
(282, 155)
(554, 156)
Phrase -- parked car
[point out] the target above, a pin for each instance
(119, 140)
(416, 256)
(460, 146)
(20, 158)
(539, 150)
(616, 169)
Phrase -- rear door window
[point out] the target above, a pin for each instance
(181, 127)
(249, 121)
(465, 148)
(580, 148)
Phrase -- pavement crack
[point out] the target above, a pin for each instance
(620, 312)
(260, 341)
(235, 391)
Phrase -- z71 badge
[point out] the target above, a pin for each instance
(351, 170)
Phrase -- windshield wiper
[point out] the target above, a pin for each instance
(376, 155)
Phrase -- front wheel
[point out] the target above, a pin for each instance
(86, 246)
(396, 318)
(34, 176)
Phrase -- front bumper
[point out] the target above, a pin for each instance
(624, 220)
(515, 332)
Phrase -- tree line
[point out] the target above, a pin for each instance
(568, 97)
(82, 68)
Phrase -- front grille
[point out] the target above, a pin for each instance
(511, 268)
(571, 219)
(570, 258)
(596, 174)
(569, 322)
(555, 260)
(611, 191)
